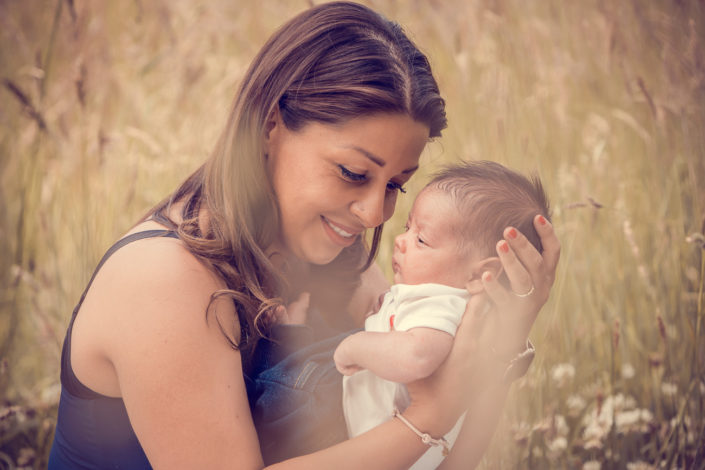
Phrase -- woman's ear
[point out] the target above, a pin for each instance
(271, 129)
(491, 264)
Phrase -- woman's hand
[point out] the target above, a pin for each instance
(531, 276)
(442, 397)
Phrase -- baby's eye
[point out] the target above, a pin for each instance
(394, 186)
(351, 175)
(420, 240)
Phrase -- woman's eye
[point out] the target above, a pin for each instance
(394, 186)
(351, 175)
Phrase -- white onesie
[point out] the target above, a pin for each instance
(369, 400)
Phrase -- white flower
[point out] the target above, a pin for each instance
(626, 419)
(558, 445)
(576, 404)
(561, 425)
(628, 371)
(562, 373)
(640, 465)
(669, 389)
(592, 465)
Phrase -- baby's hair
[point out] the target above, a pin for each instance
(491, 197)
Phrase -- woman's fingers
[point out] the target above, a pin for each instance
(496, 292)
(550, 243)
(531, 261)
(519, 278)
(527, 269)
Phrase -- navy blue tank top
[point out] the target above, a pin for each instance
(93, 430)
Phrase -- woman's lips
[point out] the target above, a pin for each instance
(340, 234)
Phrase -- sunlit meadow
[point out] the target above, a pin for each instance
(106, 106)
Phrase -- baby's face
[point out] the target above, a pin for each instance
(429, 250)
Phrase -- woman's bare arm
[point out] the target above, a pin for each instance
(182, 383)
(512, 318)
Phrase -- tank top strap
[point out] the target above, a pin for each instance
(68, 378)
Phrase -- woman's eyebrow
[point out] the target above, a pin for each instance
(376, 160)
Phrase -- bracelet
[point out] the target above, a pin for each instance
(425, 437)
(516, 366)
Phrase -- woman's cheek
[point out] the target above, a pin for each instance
(389, 204)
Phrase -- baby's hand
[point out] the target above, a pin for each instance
(295, 313)
(343, 358)
(378, 304)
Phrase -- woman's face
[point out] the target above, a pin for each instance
(334, 181)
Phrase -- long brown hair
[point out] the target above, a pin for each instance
(329, 64)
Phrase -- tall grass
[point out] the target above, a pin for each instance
(106, 106)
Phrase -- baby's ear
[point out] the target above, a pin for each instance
(491, 264)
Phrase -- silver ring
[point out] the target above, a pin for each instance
(531, 291)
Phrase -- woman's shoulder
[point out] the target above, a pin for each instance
(160, 260)
(155, 282)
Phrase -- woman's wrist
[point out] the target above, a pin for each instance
(430, 420)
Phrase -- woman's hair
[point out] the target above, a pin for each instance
(490, 197)
(331, 63)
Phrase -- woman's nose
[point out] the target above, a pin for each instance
(370, 208)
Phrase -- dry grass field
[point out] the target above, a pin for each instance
(106, 106)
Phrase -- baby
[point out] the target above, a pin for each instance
(449, 242)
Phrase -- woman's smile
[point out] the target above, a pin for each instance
(344, 236)
(334, 181)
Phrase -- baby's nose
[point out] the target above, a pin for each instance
(399, 243)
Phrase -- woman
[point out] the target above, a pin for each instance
(327, 127)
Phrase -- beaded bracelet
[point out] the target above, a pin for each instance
(425, 437)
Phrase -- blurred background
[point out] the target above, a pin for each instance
(106, 106)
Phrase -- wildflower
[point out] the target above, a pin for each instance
(696, 239)
(562, 373)
(560, 425)
(655, 359)
(558, 445)
(628, 371)
(636, 420)
(640, 465)
(669, 389)
(576, 404)
(592, 465)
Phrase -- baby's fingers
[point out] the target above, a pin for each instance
(298, 309)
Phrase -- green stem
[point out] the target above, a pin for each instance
(46, 60)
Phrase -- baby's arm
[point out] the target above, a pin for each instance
(399, 356)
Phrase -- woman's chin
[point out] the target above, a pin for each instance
(323, 257)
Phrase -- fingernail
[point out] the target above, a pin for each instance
(512, 233)
(487, 276)
(504, 247)
(542, 220)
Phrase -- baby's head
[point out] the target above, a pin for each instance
(458, 218)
